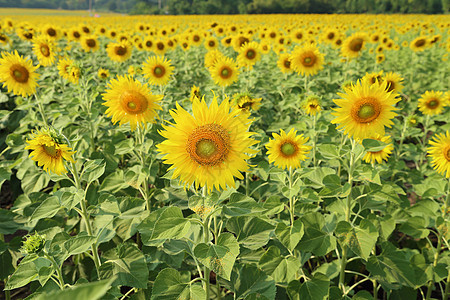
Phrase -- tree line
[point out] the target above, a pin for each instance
(175, 7)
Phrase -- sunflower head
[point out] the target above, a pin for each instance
(353, 45)
(33, 243)
(90, 43)
(287, 150)
(284, 63)
(245, 103)
(374, 77)
(18, 74)
(225, 71)
(394, 82)
(50, 151)
(157, 70)
(249, 54)
(120, 51)
(129, 101)
(432, 103)
(307, 60)
(195, 93)
(208, 148)
(44, 49)
(103, 73)
(311, 105)
(419, 44)
(365, 110)
(439, 150)
(413, 120)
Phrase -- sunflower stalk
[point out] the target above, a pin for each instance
(348, 211)
(41, 110)
(291, 199)
(444, 215)
(58, 270)
(140, 140)
(314, 140)
(206, 241)
(86, 217)
(424, 141)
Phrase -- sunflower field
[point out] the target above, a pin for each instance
(225, 157)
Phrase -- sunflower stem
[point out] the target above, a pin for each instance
(347, 215)
(58, 270)
(306, 84)
(314, 140)
(86, 217)
(291, 200)
(41, 110)
(247, 184)
(424, 141)
(206, 241)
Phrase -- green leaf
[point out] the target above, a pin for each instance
(164, 223)
(219, 258)
(5, 174)
(24, 274)
(415, 227)
(282, 269)
(315, 239)
(289, 236)
(329, 151)
(251, 232)
(127, 264)
(114, 182)
(250, 282)
(8, 225)
(360, 239)
(392, 269)
(92, 291)
(371, 145)
(47, 209)
(317, 175)
(314, 289)
(78, 244)
(93, 169)
(331, 269)
(203, 206)
(241, 205)
(168, 285)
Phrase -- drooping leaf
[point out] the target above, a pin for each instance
(360, 239)
(315, 238)
(92, 291)
(169, 285)
(314, 289)
(281, 269)
(127, 264)
(251, 232)
(219, 258)
(47, 209)
(289, 236)
(249, 281)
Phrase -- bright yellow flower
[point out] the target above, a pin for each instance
(431, 103)
(440, 153)
(380, 156)
(157, 70)
(307, 60)
(287, 150)
(18, 74)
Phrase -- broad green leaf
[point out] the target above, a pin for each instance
(27, 271)
(169, 285)
(392, 269)
(251, 232)
(314, 289)
(415, 227)
(249, 281)
(78, 244)
(241, 205)
(164, 223)
(203, 206)
(385, 224)
(281, 269)
(371, 145)
(219, 258)
(114, 182)
(8, 224)
(127, 264)
(289, 236)
(34, 181)
(93, 169)
(315, 238)
(329, 151)
(317, 175)
(331, 269)
(47, 209)
(360, 239)
(92, 291)
(5, 174)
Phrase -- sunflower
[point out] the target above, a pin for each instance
(74, 34)
(249, 54)
(307, 60)
(63, 66)
(284, 63)
(211, 43)
(89, 43)
(128, 100)
(440, 153)
(4, 39)
(380, 58)
(74, 74)
(265, 48)
(365, 109)
(394, 82)
(18, 74)
(103, 73)
(287, 150)
(44, 49)
(419, 44)
(26, 34)
(379, 156)
(195, 93)
(312, 105)
(49, 151)
(353, 45)
(160, 47)
(225, 71)
(148, 44)
(51, 31)
(157, 70)
(119, 52)
(371, 78)
(209, 147)
(245, 103)
(431, 103)
(211, 58)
